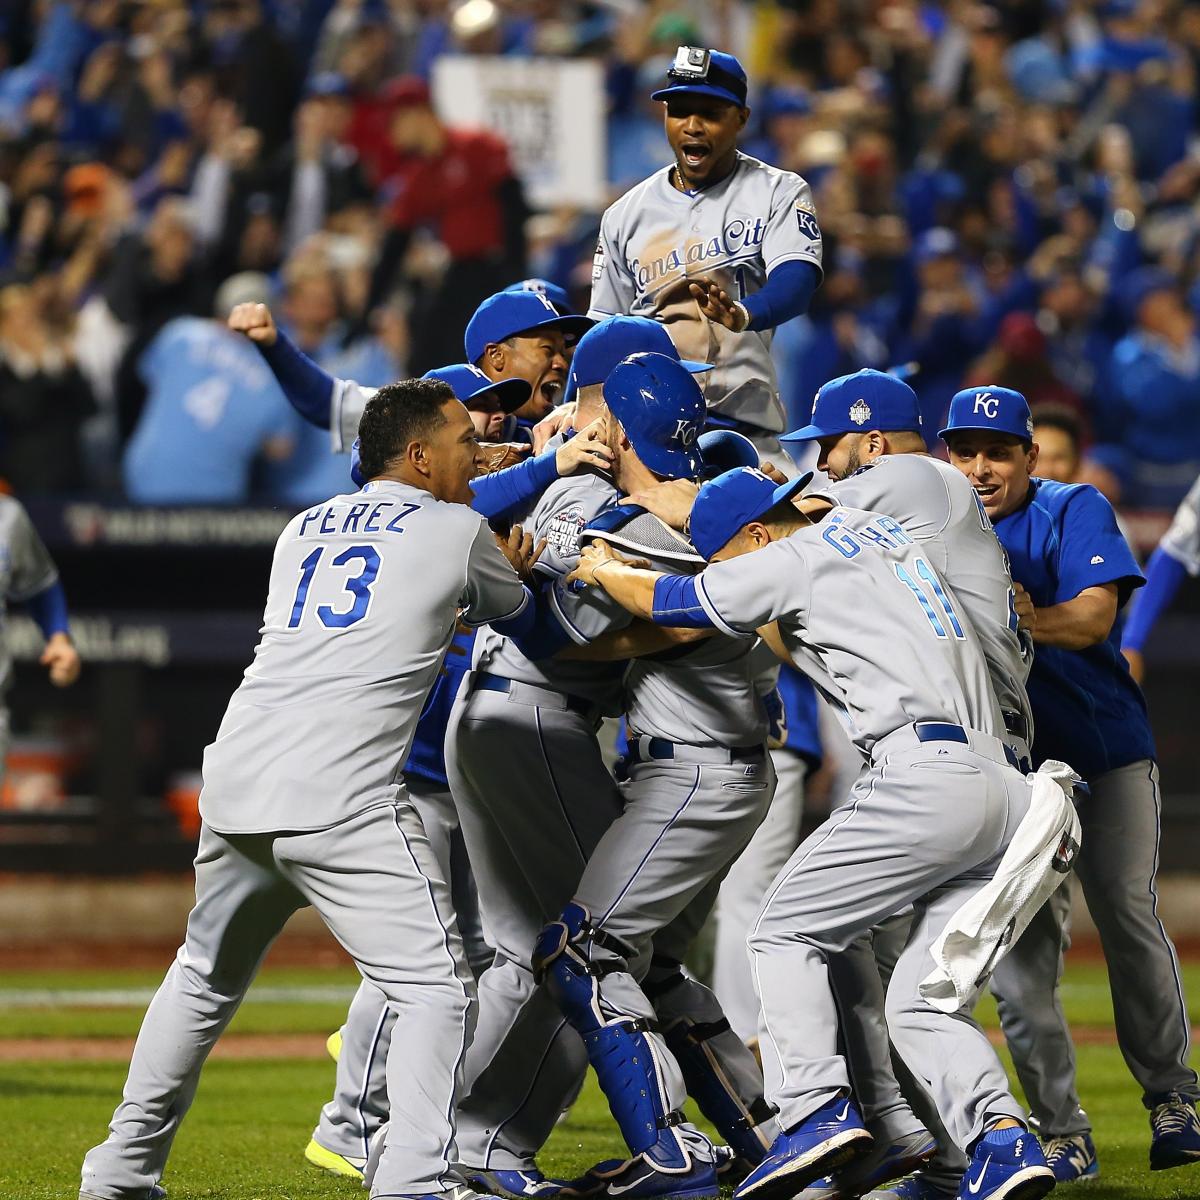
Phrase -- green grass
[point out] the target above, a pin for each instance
(244, 1137)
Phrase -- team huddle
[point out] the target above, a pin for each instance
(595, 518)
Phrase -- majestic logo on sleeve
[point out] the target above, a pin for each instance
(807, 222)
(987, 404)
(860, 412)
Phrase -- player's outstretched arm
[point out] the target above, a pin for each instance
(628, 582)
(1075, 624)
(634, 641)
(48, 608)
(308, 388)
(1164, 575)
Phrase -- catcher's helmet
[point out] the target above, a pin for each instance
(661, 408)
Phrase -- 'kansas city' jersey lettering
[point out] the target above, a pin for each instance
(656, 238)
(365, 590)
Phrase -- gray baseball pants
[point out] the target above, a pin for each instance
(534, 798)
(359, 1104)
(926, 825)
(685, 820)
(374, 881)
(1117, 868)
(746, 884)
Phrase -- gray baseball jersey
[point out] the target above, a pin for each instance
(908, 656)
(939, 509)
(655, 238)
(1182, 540)
(26, 568)
(703, 694)
(560, 515)
(363, 597)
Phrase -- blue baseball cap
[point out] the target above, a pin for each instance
(733, 500)
(859, 403)
(699, 72)
(613, 340)
(507, 314)
(661, 409)
(468, 382)
(997, 409)
(724, 450)
(555, 294)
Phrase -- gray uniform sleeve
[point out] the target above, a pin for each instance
(349, 400)
(743, 594)
(31, 569)
(1182, 540)
(792, 231)
(613, 290)
(905, 486)
(493, 590)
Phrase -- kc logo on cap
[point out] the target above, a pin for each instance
(987, 404)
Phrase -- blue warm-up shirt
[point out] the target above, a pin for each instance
(1087, 710)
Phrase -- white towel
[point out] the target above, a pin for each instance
(1036, 863)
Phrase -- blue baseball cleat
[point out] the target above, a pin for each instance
(1007, 1164)
(884, 1162)
(917, 1186)
(520, 1185)
(639, 1179)
(1176, 1132)
(829, 1138)
(1072, 1158)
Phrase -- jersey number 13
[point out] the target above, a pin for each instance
(357, 587)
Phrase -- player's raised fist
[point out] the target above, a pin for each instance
(255, 321)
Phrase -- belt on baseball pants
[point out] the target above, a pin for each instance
(945, 731)
(530, 693)
(643, 749)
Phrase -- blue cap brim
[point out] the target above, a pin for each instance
(785, 491)
(698, 89)
(809, 433)
(511, 393)
(696, 368)
(997, 429)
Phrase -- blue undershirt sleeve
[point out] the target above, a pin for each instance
(676, 603)
(499, 493)
(49, 609)
(786, 294)
(308, 388)
(536, 631)
(1164, 574)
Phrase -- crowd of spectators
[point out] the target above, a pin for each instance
(1009, 193)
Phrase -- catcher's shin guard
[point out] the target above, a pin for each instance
(621, 1054)
(719, 1070)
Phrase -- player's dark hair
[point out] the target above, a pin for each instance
(1066, 420)
(398, 414)
(786, 515)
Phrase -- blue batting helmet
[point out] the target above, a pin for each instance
(661, 408)
(724, 450)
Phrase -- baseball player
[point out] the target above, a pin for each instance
(927, 824)
(867, 427)
(1066, 551)
(719, 246)
(698, 783)
(303, 800)
(1177, 556)
(28, 577)
(534, 797)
